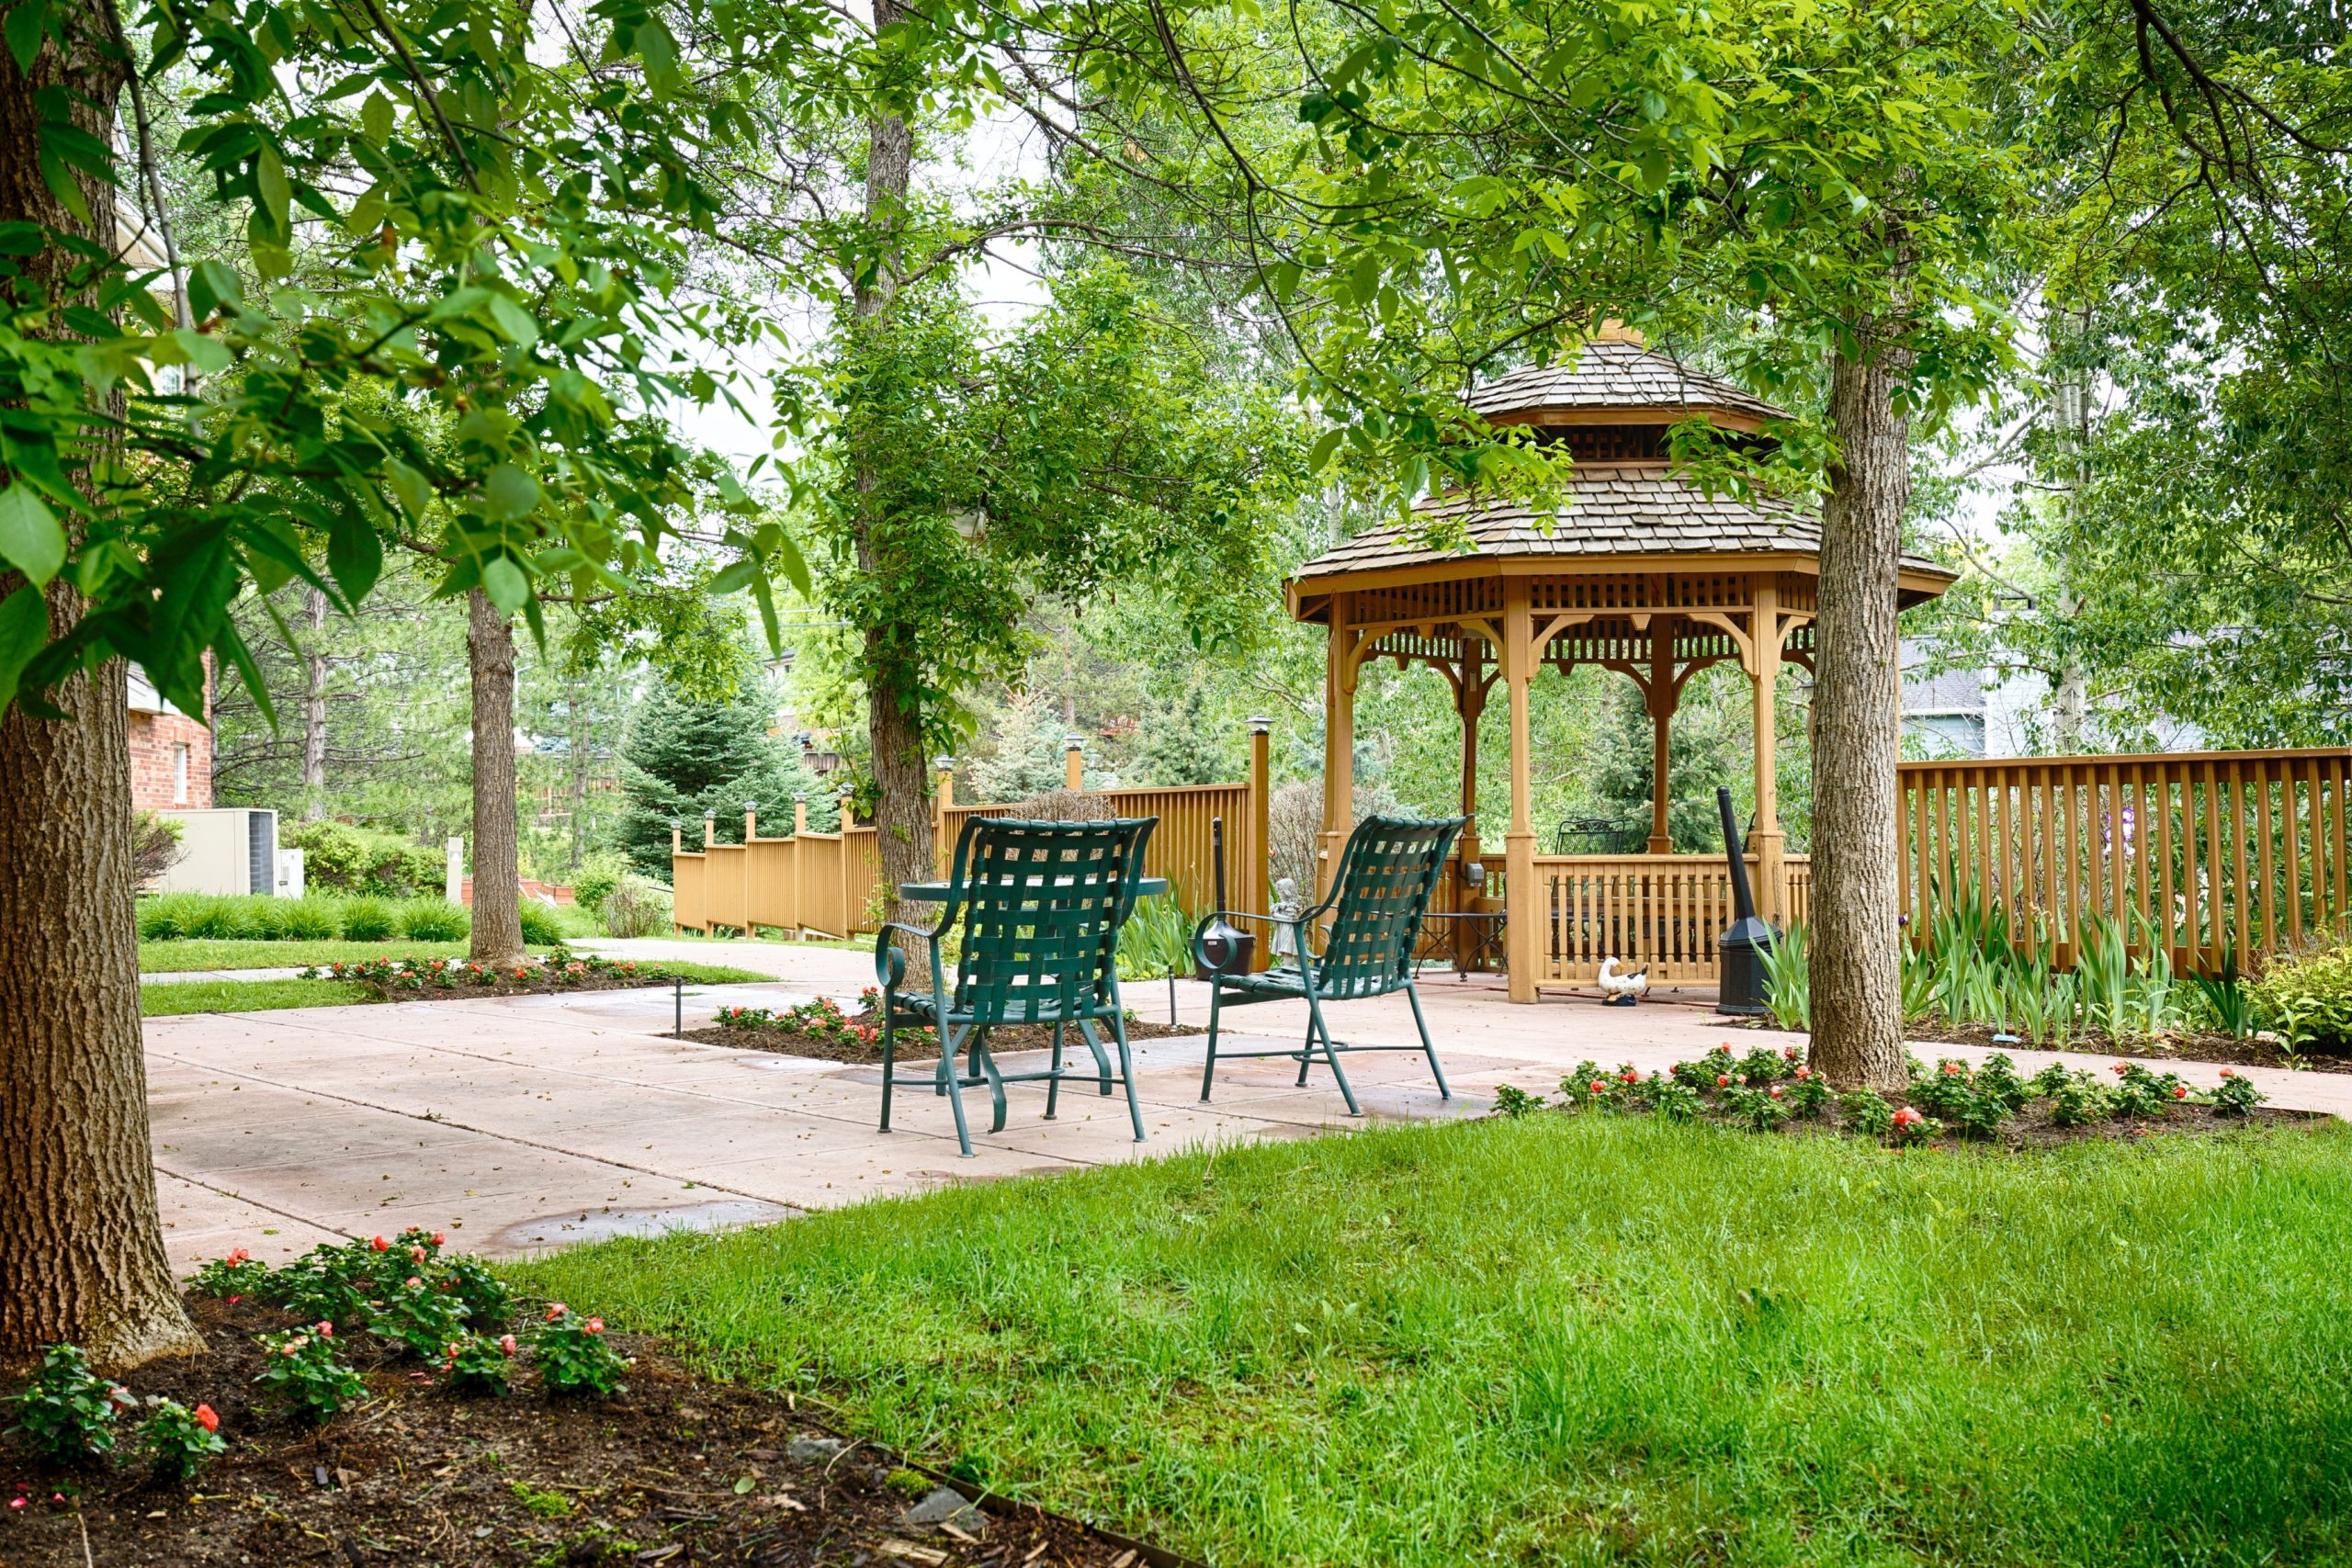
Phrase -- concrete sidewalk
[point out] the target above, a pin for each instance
(521, 1123)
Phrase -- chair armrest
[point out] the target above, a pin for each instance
(889, 963)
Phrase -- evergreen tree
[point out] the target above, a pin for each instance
(685, 757)
(1180, 744)
(1030, 734)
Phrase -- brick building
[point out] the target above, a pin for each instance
(170, 752)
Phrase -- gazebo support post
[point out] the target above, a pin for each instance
(1339, 742)
(1470, 702)
(1662, 691)
(1764, 838)
(1523, 899)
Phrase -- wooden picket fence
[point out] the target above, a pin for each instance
(2210, 855)
(827, 884)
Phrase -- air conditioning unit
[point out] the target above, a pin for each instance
(228, 848)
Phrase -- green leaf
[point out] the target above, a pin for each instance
(355, 555)
(518, 324)
(375, 120)
(410, 488)
(208, 353)
(509, 494)
(27, 25)
(271, 192)
(24, 631)
(1324, 448)
(210, 284)
(505, 584)
(30, 538)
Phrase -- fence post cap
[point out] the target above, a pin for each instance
(1258, 724)
(710, 814)
(1073, 742)
(942, 765)
(751, 806)
(800, 795)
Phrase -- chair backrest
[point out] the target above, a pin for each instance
(1043, 905)
(1386, 874)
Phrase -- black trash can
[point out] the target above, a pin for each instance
(1742, 983)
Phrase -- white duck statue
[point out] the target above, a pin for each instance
(1622, 990)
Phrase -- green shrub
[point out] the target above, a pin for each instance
(597, 875)
(542, 926)
(1866, 1112)
(369, 919)
(340, 858)
(163, 917)
(66, 1414)
(155, 846)
(434, 919)
(2309, 998)
(636, 906)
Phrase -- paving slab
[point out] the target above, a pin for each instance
(533, 1122)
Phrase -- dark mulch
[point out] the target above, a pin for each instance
(1025, 1037)
(679, 1471)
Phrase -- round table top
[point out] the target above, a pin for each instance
(936, 892)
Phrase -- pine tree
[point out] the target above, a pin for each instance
(683, 758)
(1179, 744)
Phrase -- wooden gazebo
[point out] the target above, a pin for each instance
(1641, 571)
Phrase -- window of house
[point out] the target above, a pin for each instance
(179, 774)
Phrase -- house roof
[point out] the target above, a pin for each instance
(1612, 373)
(1611, 510)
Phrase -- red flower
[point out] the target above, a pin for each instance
(236, 1257)
(1599, 1088)
(506, 1343)
(416, 1253)
(2180, 1091)
(595, 1325)
(1722, 1082)
(379, 1244)
(413, 1282)
(121, 1398)
(556, 1310)
(1906, 1117)
(1775, 1091)
(1803, 1073)
(207, 1418)
(16, 1502)
(440, 1238)
(234, 1300)
(326, 1330)
(2120, 1068)
(1629, 1077)
(1951, 1069)
(2227, 1074)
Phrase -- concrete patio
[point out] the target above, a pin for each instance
(523, 1123)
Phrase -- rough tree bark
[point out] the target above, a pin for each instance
(1854, 956)
(79, 1233)
(315, 711)
(497, 879)
(894, 724)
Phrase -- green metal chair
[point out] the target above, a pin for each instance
(1388, 873)
(1040, 905)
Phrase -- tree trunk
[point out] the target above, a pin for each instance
(314, 712)
(79, 1231)
(1855, 953)
(894, 719)
(497, 879)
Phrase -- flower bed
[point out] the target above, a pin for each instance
(427, 979)
(430, 1419)
(824, 1029)
(1769, 1092)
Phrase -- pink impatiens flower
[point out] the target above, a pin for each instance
(1906, 1117)
(506, 1343)
(326, 1330)
(595, 1325)
(207, 1418)
(1775, 1091)
(379, 1244)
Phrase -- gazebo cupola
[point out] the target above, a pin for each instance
(1639, 570)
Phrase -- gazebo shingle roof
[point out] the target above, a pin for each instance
(1610, 374)
(1611, 509)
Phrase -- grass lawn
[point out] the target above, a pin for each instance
(181, 956)
(178, 996)
(1587, 1340)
